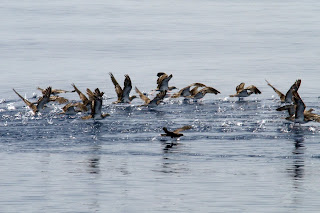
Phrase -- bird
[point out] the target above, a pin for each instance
(291, 108)
(123, 94)
(86, 102)
(40, 104)
(302, 115)
(54, 95)
(73, 108)
(186, 92)
(175, 133)
(163, 82)
(155, 101)
(96, 105)
(60, 100)
(310, 116)
(54, 91)
(287, 98)
(201, 93)
(245, 92)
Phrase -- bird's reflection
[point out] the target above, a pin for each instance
(296, 169)
(172, 151)
(93, 161)
(94, 169)
(93, 165)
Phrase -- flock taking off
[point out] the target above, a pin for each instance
(92, 103)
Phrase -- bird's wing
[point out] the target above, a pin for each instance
(295, 87)
(253, 89)
(178, 94)
(28, 103)
(56, 91)
(67, 106)
(160, 74)
(90, 94)
(98, 93)
(209, 90)
(197, 85)
(81, 95)
(281, 95)
(194, 91)
(127, 85)
(161, 79)
(117, 86)
(60, 100)
(300, 106)
(47, 92)
(240, 87)
(309, 116)
(290, 108)
(166, 131)
(182, 129)
(142, 96)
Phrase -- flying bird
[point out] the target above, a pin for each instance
(288, 97)
(176, 133)
(85, 101)
(54, 91)
(155, 101)
(123, 94)
(40, 104)
(163, 82)
(96, 105)
(201, 93)
(187, 92)
(245, 92)
(302, 115)
(73, 108)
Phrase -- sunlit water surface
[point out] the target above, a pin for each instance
(239, 156)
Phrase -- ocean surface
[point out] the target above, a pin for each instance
(239, 156)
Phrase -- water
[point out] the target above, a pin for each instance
(240, 156)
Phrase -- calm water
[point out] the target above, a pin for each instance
(240, 156)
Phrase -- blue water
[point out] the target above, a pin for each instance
(240, 156)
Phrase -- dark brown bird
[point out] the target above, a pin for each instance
(73, 108)
(288, 98)
(186, 92)
(54, 95)
(123, 94)
(96, 105)
(201, 93)
(163, 82)
(245, 92)
(86, 102)
(155, 101)
(40, 104)
(176, 133)
(291, 108)
(60, 100)
(54, 91)
(302, 115)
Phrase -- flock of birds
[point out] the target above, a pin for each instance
(92, 103)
